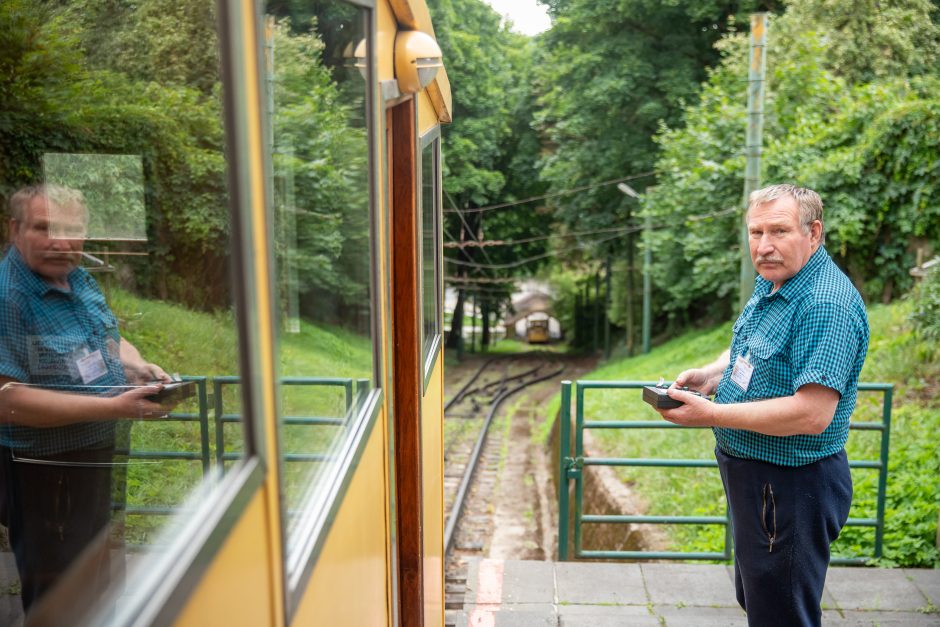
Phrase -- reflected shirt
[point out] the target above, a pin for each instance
(814, 329)
(44, 333)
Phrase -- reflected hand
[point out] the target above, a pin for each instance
(135, 404)
(145, 373)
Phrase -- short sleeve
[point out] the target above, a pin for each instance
(824, 347)
(14, 361)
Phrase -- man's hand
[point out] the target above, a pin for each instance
(138, 371)
(135, 404)
(695, 379)
(696, 411)
(706, 378)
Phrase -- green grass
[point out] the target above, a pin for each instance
(201, 344)
(895, 356)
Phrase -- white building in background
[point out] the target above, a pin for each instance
(532, 300)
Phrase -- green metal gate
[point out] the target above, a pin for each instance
(572, 463)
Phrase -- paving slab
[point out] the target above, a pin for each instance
(873, 589)
(530, 616)
(513, 615)
(927, 581)
(528, 582)
(606, 616)
(689, 584)
(593, 583)
(694, 616)
(594, 594)
(852, 618)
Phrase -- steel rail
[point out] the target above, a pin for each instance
(457, 508)
(460, 393)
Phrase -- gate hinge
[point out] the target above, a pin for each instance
(573, 466)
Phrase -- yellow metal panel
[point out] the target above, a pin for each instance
(427, 116)
(386, 28)
(258, 265)
(237, 589)
(439, 90)
(348, 584)
(432, 460)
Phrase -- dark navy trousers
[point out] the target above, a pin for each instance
(52, 513)
(783, 520)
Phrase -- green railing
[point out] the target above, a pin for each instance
(350, 388)
(206, 453)
(571, 467)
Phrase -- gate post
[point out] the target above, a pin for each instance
(564, 450)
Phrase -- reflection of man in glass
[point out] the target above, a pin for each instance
(64, 369)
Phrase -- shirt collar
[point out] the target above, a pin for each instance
(799, 281)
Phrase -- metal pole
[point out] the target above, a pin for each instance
(473, 323)
(607, 309)
(647, 289)
(597, 309)
(755, 125)
(564, 438)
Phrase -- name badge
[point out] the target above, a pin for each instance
(742, 371)
(91, 367)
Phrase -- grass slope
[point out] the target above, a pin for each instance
(201, 344)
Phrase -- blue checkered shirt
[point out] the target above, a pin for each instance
(43, 330)
(814, 329)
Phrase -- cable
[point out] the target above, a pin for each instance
(522, 262)
(625, 230)
(563, 192)
(469, 230)
(466, 279)
(527, 240)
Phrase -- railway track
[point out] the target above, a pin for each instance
(472, 456)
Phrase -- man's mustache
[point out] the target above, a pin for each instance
(769, 260)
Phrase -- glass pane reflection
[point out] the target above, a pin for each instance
(316, 55)
(431, 287)
(116, 276)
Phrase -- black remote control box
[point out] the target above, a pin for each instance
(173, 392)
(656, 396)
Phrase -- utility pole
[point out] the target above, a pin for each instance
(607, 309)
(473, 324)
(755, 126)
(631, 331)
(647, 289)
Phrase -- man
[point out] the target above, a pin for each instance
(64, 374)
(784, 394)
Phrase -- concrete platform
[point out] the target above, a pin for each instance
(582, 594)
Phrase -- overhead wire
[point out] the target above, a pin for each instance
(563, 192)
(529, 240)
(625, 230)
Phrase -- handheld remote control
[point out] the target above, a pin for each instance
(656, 396)
(173, 392)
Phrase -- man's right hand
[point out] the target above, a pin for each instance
(135, 404)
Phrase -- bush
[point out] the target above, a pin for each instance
(926, 314)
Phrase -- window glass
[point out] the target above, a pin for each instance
(116, 320)
(319, 141)
(431, 287)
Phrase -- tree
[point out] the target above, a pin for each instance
(490, 152)
(865, 146)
